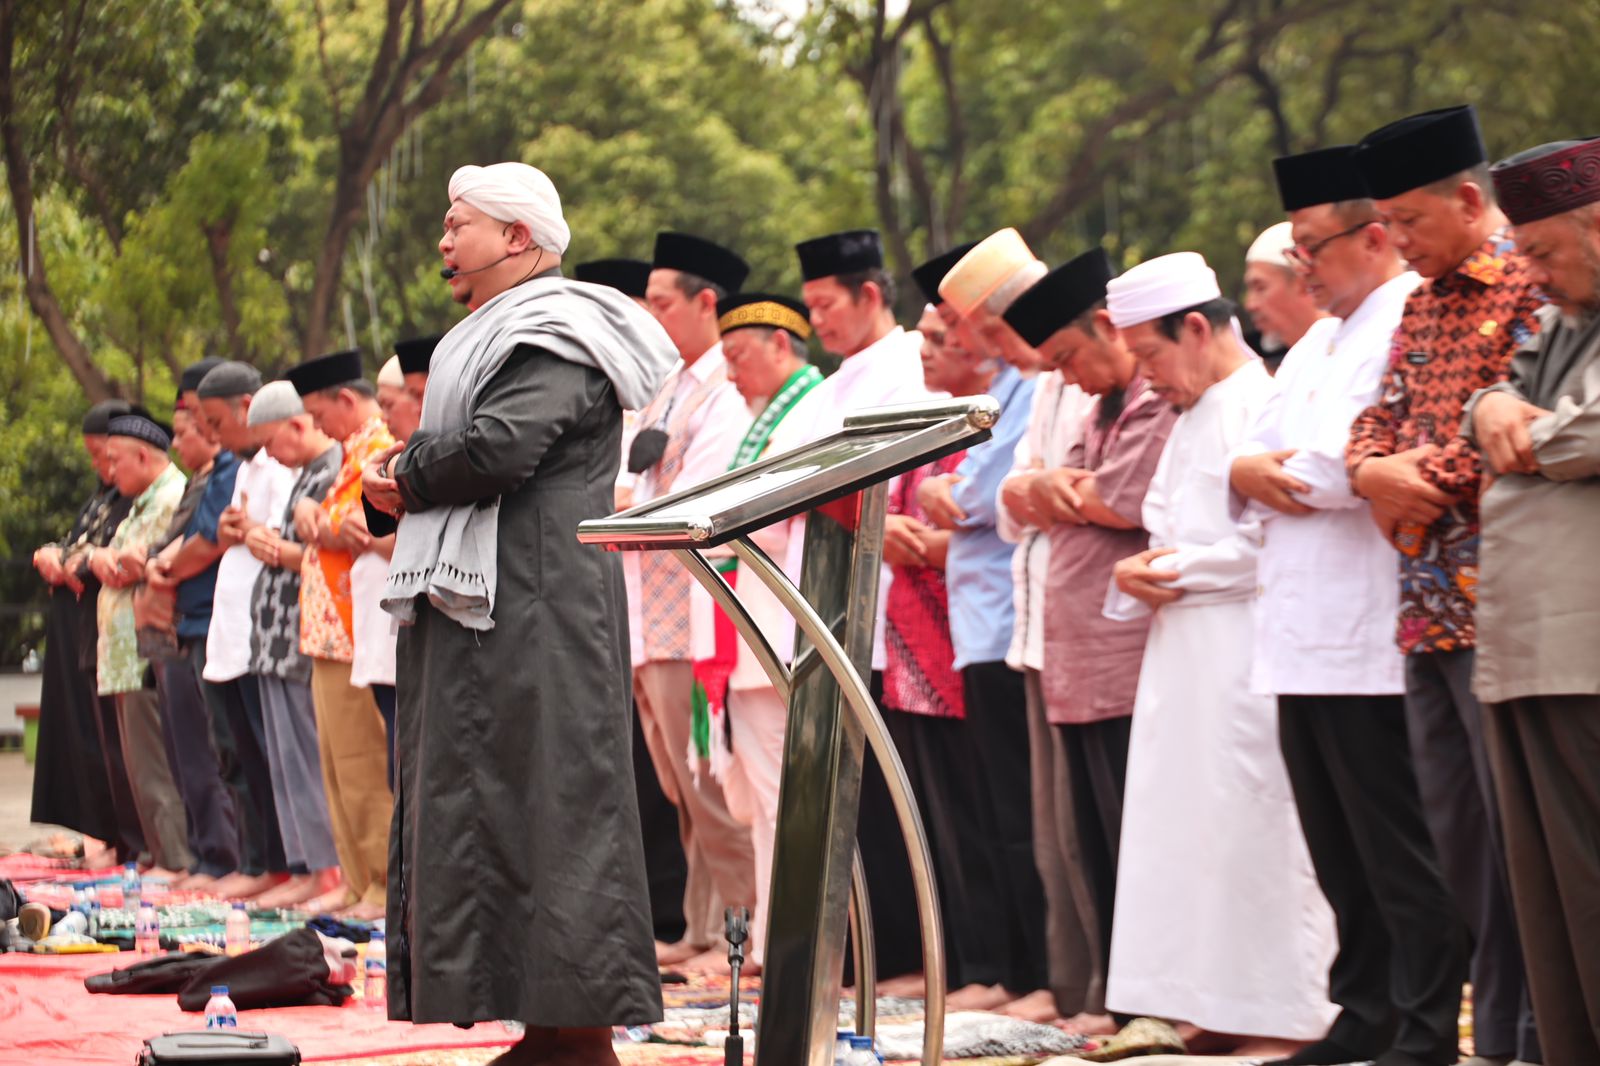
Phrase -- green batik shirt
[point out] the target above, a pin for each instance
(120, 668)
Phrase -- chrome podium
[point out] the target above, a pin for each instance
(818, 893)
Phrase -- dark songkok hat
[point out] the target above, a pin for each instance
(929, 274)
(850, 252)
(97, 420)
(229, 379)
(763, 309)
(1548, 180)
(1420, 150)
(326, 372)
(1321, 176)
(141, 425)
(628, 276)
(195, 373)
(700, 257)
(415, 354)
(1060, 296)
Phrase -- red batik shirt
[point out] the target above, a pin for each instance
(920, 677)
(1457, 336)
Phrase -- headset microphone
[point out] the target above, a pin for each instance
(451, 272)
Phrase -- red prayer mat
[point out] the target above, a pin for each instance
(47, 1016)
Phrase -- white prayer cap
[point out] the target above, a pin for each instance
(1159, 287)
(273, 402)
(995, 271)
(391, 375)
(515, 192)
(1273, 246)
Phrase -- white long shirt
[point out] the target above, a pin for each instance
(1054, 429)
(714, 429)
(262, 486)
(1328, 587)
(887, 371)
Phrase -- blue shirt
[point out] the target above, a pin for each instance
(978, 566)
(195, 594)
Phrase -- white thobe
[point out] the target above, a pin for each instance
(1329, 592)
(1054, 428)
(1219, 919)
(262, 490)
(887, 371)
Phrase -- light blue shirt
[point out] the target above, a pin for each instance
(978, 565)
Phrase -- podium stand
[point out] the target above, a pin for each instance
(818, 893)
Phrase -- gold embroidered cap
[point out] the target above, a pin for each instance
(743, 310)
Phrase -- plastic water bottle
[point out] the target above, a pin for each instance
(147, 931)
(377, 988)
(237, 930)
(841, 1046)
(861, 1052)
(132, 887)
(220, 1011)
(94, 917)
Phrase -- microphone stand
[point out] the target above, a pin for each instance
(736, 921)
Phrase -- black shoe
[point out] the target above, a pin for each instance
(1322, 1053)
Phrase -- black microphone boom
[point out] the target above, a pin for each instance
(451, 272)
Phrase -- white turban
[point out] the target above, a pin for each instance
(390, 373)
(1159, 287)
(515, 192)
(1273, 246)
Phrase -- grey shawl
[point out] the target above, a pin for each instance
(448, 553)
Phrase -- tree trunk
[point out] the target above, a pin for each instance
(342, 222)
(19, 179)
(218, 236)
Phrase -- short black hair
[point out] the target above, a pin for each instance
(853, 283)
(1218, 312)
(1478, 174)
(360, 386)
(692, 285)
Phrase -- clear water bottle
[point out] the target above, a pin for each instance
(376, 992)
(841, 1046)
(94, 917)
(132, 887)
(147, 931)
(220, 1011)
(862, 1053)
(237, 930)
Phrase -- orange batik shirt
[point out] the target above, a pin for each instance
(326, 605)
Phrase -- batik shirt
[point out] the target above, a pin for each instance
(1457, 335)
(119, 666)
(275, 600)
(326, 605)
(920, 676)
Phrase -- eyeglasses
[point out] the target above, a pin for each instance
(1306, 254)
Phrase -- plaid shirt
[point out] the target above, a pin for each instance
(1457, 335)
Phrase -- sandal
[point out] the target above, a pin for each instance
(1140, 1037)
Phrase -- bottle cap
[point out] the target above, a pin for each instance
(238, 905)
(861, 1043)
(377, 934)
(131, 867)
(219, 990)
(146, 903)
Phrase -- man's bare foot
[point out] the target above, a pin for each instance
(161, 873)
(336, 899)
(102, 858)
(1090, 1025)
(246, 886)
(298, 885)
(1265, 1047)
(204, 884)
(364, 911)
(561, 1047)
(1037, 1007)
(714, 961)
(978, 997)
(672, 954)
(906, 986)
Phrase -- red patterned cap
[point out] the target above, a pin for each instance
(1548, 180)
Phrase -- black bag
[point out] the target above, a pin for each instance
(290, 971)
(219, 1047)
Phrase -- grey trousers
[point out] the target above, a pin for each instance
(1445, 724)
(295, 761)
(1072, 932)
(155, 794)
(1546, 756)
(721, 859)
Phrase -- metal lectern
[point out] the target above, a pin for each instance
(818, 893)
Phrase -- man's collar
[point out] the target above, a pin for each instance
(1488, 262)
(707, 364)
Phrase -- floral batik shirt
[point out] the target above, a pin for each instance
(118, 664)
(326, 605)
(1457, 335)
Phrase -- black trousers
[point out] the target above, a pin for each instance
(890, 890)
(936, 754)
(207, 803)
(1097, 766)
(129, 843)
(236, 705)
(1546, 756)
(1445, 723)
(1402, 945)
(997, 721)
(664, 864)
(383, 696)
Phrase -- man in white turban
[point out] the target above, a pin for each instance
(516, 861)
(1241, 944)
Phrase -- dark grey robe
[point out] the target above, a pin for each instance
(516, 872)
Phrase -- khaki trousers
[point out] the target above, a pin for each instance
(716, 848)
(355, 774)
(155, 793)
